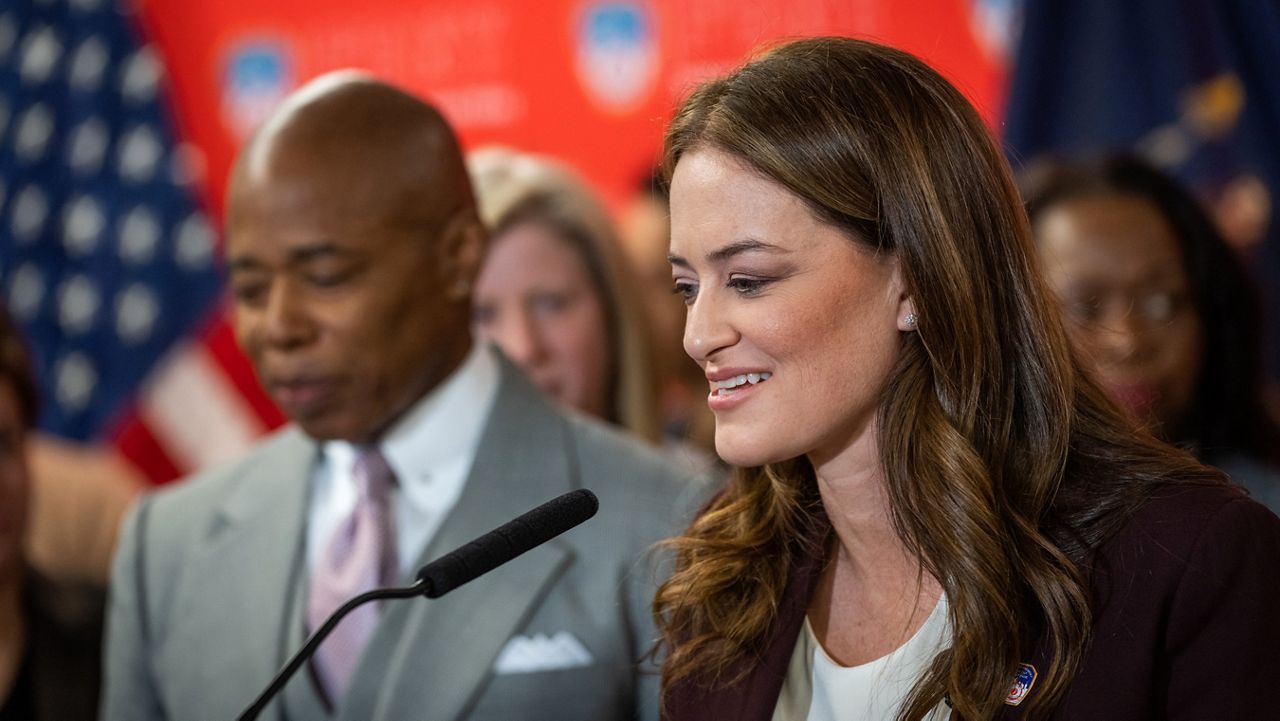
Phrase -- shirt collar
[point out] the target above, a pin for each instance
(441, 429)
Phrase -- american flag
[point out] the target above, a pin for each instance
(107, 258)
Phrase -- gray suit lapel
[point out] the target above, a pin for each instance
(429, 658)
(248, 564)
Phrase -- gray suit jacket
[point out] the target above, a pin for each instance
(207, 593)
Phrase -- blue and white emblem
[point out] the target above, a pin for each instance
(1022, 683)
(996, 25)
(257, 75)
(617, 53)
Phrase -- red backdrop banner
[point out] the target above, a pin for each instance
(591, 82)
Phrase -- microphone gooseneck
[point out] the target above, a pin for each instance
(309, 648)
(450, 571)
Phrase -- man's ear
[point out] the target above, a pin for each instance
(462, 248)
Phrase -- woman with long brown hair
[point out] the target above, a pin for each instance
(936, 513)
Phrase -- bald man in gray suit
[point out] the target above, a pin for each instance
(353, 243)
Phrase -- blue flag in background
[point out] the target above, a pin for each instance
(1193, 85)
(106, 258)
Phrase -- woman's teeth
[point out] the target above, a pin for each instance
(729, 384)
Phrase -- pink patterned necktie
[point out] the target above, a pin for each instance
(358, 557)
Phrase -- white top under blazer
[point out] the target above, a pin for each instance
(817, 688)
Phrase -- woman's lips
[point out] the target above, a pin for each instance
(723, 399)
(1139, 399)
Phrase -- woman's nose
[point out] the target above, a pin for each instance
(1121, 336)
(518, 336)
(707, 329)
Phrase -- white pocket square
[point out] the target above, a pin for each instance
(539, 652)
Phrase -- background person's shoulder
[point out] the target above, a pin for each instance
(636, 481)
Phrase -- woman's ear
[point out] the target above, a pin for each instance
(907, 318)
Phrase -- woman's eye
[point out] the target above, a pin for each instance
(746, 285)
(686, 290)
(550, 303)
(1083, 309)
(1159, 307)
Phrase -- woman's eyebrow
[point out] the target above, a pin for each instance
(735, 248)
(742, 246)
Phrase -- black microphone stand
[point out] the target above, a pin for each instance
(419, 588)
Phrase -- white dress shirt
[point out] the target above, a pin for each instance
(431, 449)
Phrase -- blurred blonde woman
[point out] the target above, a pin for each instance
(552, 293)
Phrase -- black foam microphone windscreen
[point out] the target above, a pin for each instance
(507, 541)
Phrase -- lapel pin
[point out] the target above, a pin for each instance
(1022, 683)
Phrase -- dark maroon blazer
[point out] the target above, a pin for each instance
(1186, 623)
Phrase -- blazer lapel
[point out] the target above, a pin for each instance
(430, 658)
(246, 567)
(754, 697)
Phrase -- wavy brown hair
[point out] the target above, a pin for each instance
(1005, 466)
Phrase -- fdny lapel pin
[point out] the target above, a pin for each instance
(1022, 683)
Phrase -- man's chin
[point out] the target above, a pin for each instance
(329, 429)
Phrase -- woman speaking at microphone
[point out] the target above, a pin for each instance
(936, 514)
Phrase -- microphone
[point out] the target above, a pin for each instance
(507, 541)
(521, 534)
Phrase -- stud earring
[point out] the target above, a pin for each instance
(910, 320)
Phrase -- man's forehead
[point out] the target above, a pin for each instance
(287, 230)
(274, 234)
(306, 112)
(320, 193)
(346, 181)
(309, 176)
